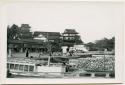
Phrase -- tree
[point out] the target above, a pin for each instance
(91, 46)
(111, 44)
(105, 43)
(78, 40)
(13, 32)
(25, 31)
(56, 47)
(102, 44)
(16, 33)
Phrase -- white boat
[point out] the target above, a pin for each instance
(30, 67)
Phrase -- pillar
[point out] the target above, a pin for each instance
(64, 50)
(21, 50)
(9, 54)
(77, 75)
(49, 61)
(92, 75)
(107, 75)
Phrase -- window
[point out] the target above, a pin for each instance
(66, 38)
(26, 68)
(31, 68)
(65, 34)
(11, 66)
(71, 38)
(72, 34)
(51, 40)
(16, 67)
(21, 67)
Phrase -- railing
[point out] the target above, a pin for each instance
(63, 74)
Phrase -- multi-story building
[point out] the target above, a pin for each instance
(47, 36)
(70, 37)
(40, 41)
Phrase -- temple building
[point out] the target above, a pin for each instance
(21, 39)
(70, 37)
(47, 36)
(71, 41)
(39, 42)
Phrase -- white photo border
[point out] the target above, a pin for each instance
(119, 54)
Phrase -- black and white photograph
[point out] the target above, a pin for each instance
(63, 40)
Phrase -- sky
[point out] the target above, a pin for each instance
(92, 20)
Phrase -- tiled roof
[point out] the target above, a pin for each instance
(25, 41)
(70, 31)
(48, 35)
(23, 60)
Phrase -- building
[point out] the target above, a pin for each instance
(39, 43)
(26, 44)
(70, 38)
(47, 36)
(72, 41)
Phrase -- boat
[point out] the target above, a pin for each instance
(31, 67)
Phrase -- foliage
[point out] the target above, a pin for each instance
(102, 44)
(91, 46)
(13, 32)
(97, 64)
(56, 47)
(16, 33)
(8, 74)
(78, 39)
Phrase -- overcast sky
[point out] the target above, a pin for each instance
(92, 20)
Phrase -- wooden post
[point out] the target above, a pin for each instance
(21, 50)
(49, 51)
(64, 50)
(9, 54)
(104, 58)
(107, 75)
(49, 61)
(92, 75)
(77, 75)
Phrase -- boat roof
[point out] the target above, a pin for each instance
(22, 60)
